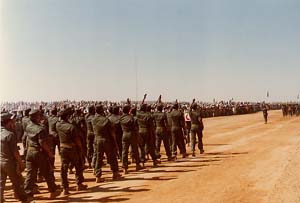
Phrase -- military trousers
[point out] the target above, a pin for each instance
(119, 143)
(90, 147)
(162, 136)
(38, 160)
(188, 130)
(53, 142)
(129, 139)
(24, 142)
(146, 145)
(169, 135)
(105, 146)
(9, 168)
(70, 156)
(266, 118)
(196, 131)
(178, 140)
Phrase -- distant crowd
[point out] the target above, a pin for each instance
(208, 109)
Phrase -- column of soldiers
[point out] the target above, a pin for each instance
(119, 132)
(290, 110)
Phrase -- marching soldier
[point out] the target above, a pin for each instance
(161, 132)
(25, 121)
(168, 110)
(53, 136)
(129, 138)
(80, 124)
(69, 142)
(39, 156)
(188, 124)
(10, 159)
(177, 119)
(265, 113)
(196, 129)
(115, 121)
(105, 143)
(19, 126)
(90, 135)
(144, 122)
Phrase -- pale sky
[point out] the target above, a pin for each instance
(182, 49)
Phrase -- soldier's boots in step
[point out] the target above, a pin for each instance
(139, 167)
(117, 176)
(53, 195)
(81, 187)
(66, 191)
(99, 179)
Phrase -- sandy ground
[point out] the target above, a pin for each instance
(244, 161)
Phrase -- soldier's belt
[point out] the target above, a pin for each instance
(53, 133)
(67, 145)
(31, 148)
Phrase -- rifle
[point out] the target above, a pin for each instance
(145, 95)
(128, 101)
(159, 100)
(192, 103)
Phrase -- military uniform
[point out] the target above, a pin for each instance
(144, 123)
(265, 113)
(8, 162)
(90, 138)
(115, 121)
(53, 136)
(169, 130)
(38, 157)
(161, 134)
(19, 129)
(105, 143)
(25, 121)
(196, 129)
(177, 119)
(129, 138)
(69, 141)
(188, 125)
(80, 125)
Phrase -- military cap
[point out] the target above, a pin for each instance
(115, 109)
(66, 112)
(5, 116)
(99, 108)
(34, 112)
(126, 109)
(26, 111)
(91, 109)
(54, 111)
(133, 111)
(143, 107)
(159, 107)
(175, 106)
(78, 110)
(194, 106)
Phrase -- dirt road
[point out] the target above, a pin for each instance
(244, 161)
